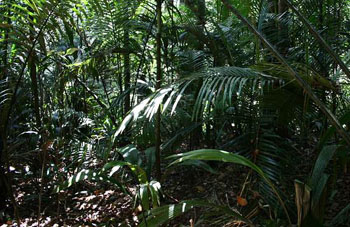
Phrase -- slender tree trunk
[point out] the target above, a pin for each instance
(120, 74)
(283, 37)
(33, 76)
(199, 9)
(32, 65)
(283, 47)
(35, 92)
(273, 6)
(3, 74)
(127, 69)
(34, 80)
(198, 133)
(158, 85)
(61, 88)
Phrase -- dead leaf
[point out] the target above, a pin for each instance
(97, 192)
(242, 201)
(46, 145)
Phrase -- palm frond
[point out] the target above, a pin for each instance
(297, 77)
(220, 85)
(163, 214)
(219, 155)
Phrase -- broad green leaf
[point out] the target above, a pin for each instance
(150, 160)
(131, 154)
(322, 161)
(144, 196)
(155, 189)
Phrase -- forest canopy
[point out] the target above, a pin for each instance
(174, 113)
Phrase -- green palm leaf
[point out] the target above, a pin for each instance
(220, 84)
(224, 156)
(161, 215)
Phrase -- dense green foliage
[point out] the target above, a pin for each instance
(123, 92)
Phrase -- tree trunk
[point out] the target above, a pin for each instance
(33, 77)
(198, 7)
(158, 85)
(283, 37)
(34, 80)
(273, 6)
(127, 69)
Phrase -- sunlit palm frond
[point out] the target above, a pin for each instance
(219, 85)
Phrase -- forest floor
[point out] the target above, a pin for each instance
(91, 204)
